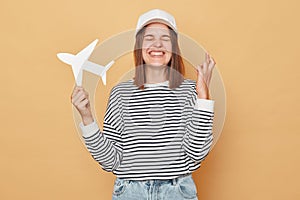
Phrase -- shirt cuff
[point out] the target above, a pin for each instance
(205, 104)
(89, 129)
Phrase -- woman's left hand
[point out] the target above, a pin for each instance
(204, 72)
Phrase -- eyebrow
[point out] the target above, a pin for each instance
(148, 35)
(153, 35)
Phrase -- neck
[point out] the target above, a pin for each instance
(156, 74)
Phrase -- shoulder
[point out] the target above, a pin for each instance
(188, 83)
(189, 86)
(122, 86)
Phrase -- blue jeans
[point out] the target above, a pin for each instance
(180, 188)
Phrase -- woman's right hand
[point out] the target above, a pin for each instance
(80, 99)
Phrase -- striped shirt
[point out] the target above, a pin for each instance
(155, 133)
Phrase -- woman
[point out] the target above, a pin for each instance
(158, 126)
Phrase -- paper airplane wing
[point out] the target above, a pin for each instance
(93, 68)
(97, 69)
(66, 58)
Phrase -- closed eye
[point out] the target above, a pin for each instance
(148, 37)
(166, 38)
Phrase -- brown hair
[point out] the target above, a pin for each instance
(176, 68)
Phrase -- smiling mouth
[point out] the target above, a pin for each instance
(156, 53)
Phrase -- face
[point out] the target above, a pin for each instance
(157, 46)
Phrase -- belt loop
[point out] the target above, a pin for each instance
(174, 181)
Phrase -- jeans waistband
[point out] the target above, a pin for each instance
(173, 181)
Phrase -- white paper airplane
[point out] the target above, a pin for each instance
(80, 62)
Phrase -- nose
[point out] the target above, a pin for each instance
(157, 43)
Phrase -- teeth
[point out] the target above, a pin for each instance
(156, 53)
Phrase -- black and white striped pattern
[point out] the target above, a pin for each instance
(156, 133)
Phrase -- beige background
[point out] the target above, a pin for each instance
(255, 44)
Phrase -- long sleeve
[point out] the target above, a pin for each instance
(105, 147)
(198, 138)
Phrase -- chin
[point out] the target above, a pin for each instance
(157, 64)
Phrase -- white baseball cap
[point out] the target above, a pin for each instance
(156, 15)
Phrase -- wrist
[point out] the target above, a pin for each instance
(86, 120)
(202, 91)
(203, 96)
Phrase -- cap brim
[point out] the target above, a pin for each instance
(159, 21)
